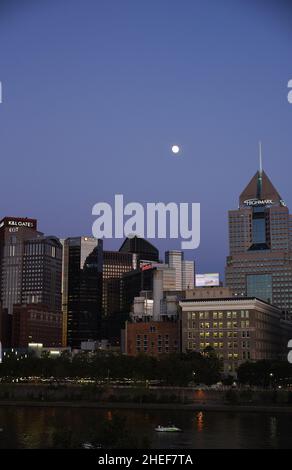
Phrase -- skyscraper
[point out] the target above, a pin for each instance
(260, 242)
(185, 270)
(174, 260)
(188, 275)
(42, 273)
(14, 231)
(115, 264)
(30, 264)
(82, 290)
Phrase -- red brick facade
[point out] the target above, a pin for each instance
(34, 323)
(152, 338)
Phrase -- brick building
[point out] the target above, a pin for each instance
(35, 323)
(238, 329)
(152, 338)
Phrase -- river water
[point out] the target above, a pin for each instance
(29, 427)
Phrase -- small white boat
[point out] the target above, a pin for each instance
(170, 428)
(87, 445)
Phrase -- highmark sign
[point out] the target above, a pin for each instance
(258, 202)
(261, 202)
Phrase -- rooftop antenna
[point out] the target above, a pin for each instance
(260, 176)
(261, 158)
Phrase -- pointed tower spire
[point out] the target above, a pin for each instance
(261, 158)
(260, 173)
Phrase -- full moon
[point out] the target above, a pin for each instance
(175, 149)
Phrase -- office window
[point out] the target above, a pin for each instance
(259, 285)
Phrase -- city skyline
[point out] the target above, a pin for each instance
(166, 245)
(102, 100)
(145, 227)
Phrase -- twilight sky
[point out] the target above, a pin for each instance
(95, 92)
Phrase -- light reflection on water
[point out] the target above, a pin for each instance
(25, 427)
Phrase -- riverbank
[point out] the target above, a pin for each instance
(144, 397)
(152, 406)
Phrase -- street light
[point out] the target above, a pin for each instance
(271, 378)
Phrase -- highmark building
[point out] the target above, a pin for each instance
(260, 240)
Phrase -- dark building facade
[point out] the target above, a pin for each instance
(5, 328)
(143, 249)
(14, 232)
(150, 278)
(36, 323)
(133, 283)
(260, 240)
(42, 273)
(30, 265)
(82, 290)
(115, 264)
(30, 270)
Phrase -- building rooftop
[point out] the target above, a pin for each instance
(228, 299)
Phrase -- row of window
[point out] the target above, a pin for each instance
(216, 334)
(218, 315)
(220, 325)
(220, 345)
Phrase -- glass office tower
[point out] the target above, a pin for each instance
(82, 290)
(260, 243)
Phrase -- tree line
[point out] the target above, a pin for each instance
(172, 369)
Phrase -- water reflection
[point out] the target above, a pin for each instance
(273, 431)
(44, 427)
(200, 421)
